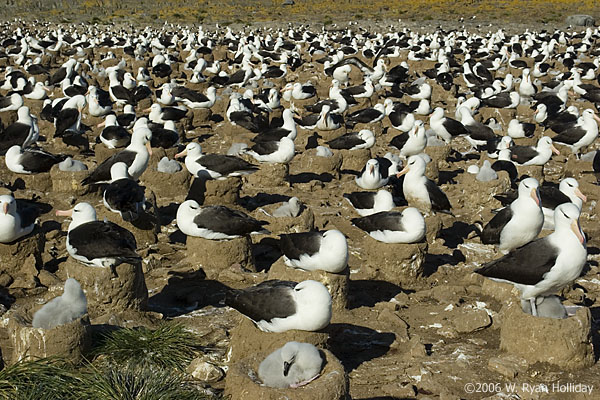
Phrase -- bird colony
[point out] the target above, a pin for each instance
(379, 199)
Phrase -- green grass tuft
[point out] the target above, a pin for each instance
(170, 346)
(43, 379)
(138, 383)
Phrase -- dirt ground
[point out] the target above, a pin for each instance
(432, 332)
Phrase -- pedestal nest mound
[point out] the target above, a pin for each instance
(354, 160)
(20, 260)
(302, 223)
(68, 182)
(242, 381)
(397, 263)
(108, 290)
(247, 340)
(310, 162)
(566, 343)
(214, 256)
(71, 341)
(337, 284)
(269, 175)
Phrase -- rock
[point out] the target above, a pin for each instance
(48, 279)
(433, 225)
(108, 291)
(242, 381)
(472, 320)
(580, 20)
(288, 3)
(337, 284)
(392, 321)
(502, 292)
(247, 340)
(204, 371)
(71, 341)
(214, 256)
(565, 343)
(508, 365)
(399, 390)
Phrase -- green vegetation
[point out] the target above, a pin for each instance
(128, 364)
(170, 346)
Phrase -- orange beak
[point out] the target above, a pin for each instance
(64, 213)
(555, 150)
(372, 169)
(101, 124)
(580, 195)
(5, 208)
(535, 196)
(149, 148)
(577, 231)
(404, 171)
(148, 109)
(182, 154)
(596, 118)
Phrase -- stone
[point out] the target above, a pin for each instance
(580, 20)
(108, 291)
(288, 3)
(337, 284)
(242, 381)
(204, 371)
(433, 225)
(565, 343)
(507, 365)
(399, 390)
(71, 341)
(214, 256)
(392, 320)
(469, 321)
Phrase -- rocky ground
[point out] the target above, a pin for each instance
(416, 322)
